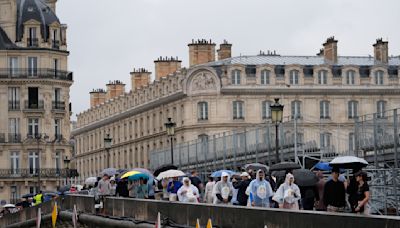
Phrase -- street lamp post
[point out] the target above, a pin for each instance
(171, 132)
(66, 164)
(276, 116)
(107, 146)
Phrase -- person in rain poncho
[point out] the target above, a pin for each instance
(288, 194)
(208, 194)
(113, 186)
(261, 190)
(223, 190)
(188, 193)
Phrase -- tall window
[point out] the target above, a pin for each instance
(323, 77)
(32, 33)
(238, 110)
(15, 162)
(57, 99)
(352, 111)
(294, 77)
(265, 75)
(296, 109)
(352, 141)
(55, 67)
(32, 66)
(379, 77)
(350, 77)
(32, 39)
(324, 109)
(13, 98)
(33, 158)
(266, 110)
(325, 140)
(202, 110)
(57, 128)
(57, 161)
(13, 66)
(380, 108)
(13, 132)
(33, 127)
(236, 77)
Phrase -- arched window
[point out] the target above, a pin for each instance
(352, 111)
(379, 77)
(323, 77)
(265, 75)
(236, 77)
(350, 77)
(380, 108)
(238, 112)
(266, 110)
(294, 77)
(202, 110)
(324, 109)
(296, 109)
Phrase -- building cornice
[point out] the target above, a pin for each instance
(130, 112)
(24, 81)
(311, 90)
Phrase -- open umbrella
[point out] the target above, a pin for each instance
(256, 166)
(219, 173)
(164, 168)
(29, 195)
(109, 172)
(65, 188)
(130, 173)
(348, 162)
(91, 181)
(170, 173)
(302, 177)
(138, 176)
(323, 166)
(10, 205)
(284, 166)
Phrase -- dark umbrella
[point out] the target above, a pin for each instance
(284, 166)
(29, 195)
(164, 168)
(65, 188)
(302, 177)
(256, 166)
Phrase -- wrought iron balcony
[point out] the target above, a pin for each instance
(58, 105)
(34, 105)
(56, 44)
(32, 173)
(35, 73)
(14, 105)
(32, 42)
(14, 138)
(34, 136)
(58, 137)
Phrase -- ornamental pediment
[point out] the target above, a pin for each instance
(202, 81)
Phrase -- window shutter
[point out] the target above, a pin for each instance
(234, 110)
(327, 109)
(238, 77)
(206, 110)
(233, 77)
(241, 110)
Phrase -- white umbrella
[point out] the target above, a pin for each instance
(9, 205)
(348, 162)
(91, 180)
(171, 173)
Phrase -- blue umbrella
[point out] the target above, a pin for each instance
(136, 177)
(219, 173)
(324, 166)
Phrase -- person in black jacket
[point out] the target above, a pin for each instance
(242, 186)
(335, 193)
(122, 188)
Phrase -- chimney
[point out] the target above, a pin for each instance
(52, 4)
(381, 51)
(114, 89)
(165, 66)
(330, 50)
(201, 51)
(97, 96)
(224, 51)
(139, 77)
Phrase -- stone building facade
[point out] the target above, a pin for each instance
(212, 96)
(34, 98)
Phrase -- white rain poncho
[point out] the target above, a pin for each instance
(288, 194)
(188, 193)
(223, 188)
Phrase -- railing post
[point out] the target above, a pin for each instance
(268, 137)
(224, 148)
(257, 142)
(356, 136)
(235, 148)
(375, 141)
(245, 145)
(215, 151)
(396, 137)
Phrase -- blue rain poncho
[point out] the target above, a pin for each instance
(261, 191)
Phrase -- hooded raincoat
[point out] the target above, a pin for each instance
(261, 191)
(223, 190)
(288, 194)
(188, 193)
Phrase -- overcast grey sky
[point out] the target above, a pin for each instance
(107, 39)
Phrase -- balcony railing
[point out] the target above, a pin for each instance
(32, 173)
(14, 138)
(58, 105)
(38, 105)
(34, 136)
(56, 44)
(35, 73)
(58, 137)
(14, 105)
(32, 42)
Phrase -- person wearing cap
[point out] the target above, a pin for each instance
(242, 185)
(261, 190)
(223, 190)
(352, 189)
(363, 193)
(335, 193)
(188, 193)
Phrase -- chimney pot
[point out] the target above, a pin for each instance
(330, 50)
(381, 51)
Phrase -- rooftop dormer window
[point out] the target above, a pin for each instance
(32, 37)
(55, 39)
(236, 77)
(323, 77)
(294, 77)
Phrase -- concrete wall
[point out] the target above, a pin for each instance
(222, 216)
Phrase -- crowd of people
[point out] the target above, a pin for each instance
(253, 189)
